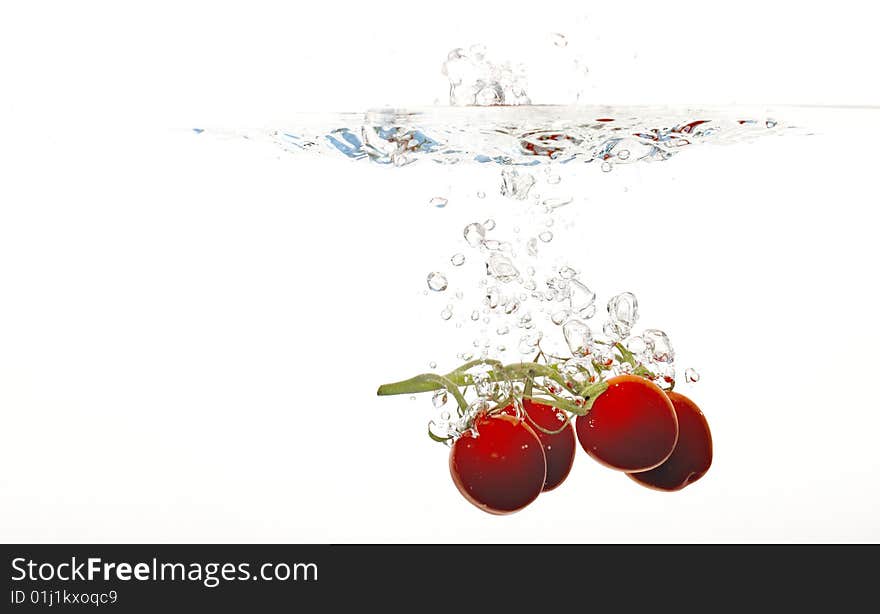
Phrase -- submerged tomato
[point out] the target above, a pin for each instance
(558, 447)
(502, 468)
(631, 426)
(692, 456)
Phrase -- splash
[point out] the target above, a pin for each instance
(474, 80)
(524, 135)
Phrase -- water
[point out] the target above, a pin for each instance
(203, 321)
(528, 135)
(253, 298)
(513, 139)
(519, 270)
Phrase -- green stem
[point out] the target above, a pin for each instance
(417, 384)
(591, 392)
(426, 382)
(525, 371)
(625, 354)
(541, 428)
(436, 437)
(561, 403)
(522, 370)
(527, 389)
(517, 371)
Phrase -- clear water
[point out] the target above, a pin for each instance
(193, 326)
(518, 290)
(553, 224)
(728, 250)
(524, 135)
(229, 307)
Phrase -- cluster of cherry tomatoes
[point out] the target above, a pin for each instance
(659, 439)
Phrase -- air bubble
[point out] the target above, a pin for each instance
(581, 297)
(566, 272)
(578, 337)
(483, 386)
(546, 236)
(528, 343)
(623, 154)
(559, 40)
(481, 194)
(489, 96)
(432, 365)
(474, 234)
(579, 369)
(446, 313)
(613, 330)
(659, 345)
(690, 375)
(437, 281)
(475, 315)
(587, 312)
(515, 185)
(439, 400)
(493, 297)
(457, 259)
(532, 247)
(501, 268)
(602, 355)
(667, 377)
(489, 224)
(624, 368)
(636, 345)
(606, 166)
(438, 201)
(624, 310)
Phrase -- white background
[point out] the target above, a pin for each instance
(191, 330)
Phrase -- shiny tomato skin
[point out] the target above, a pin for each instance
(558, 448)
(501, 469)
(692, 456)
(631, 427)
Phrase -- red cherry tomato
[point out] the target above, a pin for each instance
(692, 456)
(558, 447)
(631, 426)
(501, 469)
